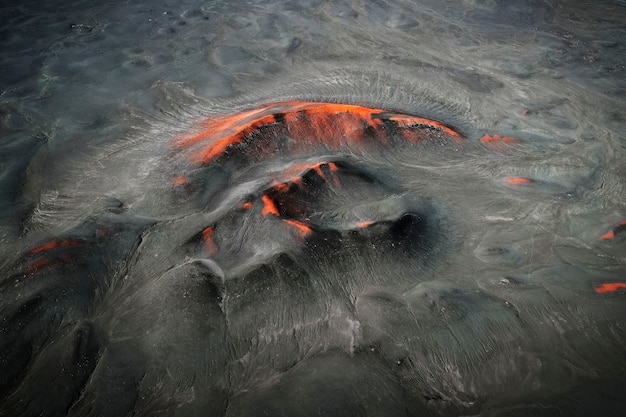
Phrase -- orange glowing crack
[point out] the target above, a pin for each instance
(268, 206)
(518, 180)
(331, 124)
(497, 138)
(608, 235)
(301, 227)
(364, 224)
(609, 287)
(179, 180)
(68, 243)
(209, 243)
(611, 234)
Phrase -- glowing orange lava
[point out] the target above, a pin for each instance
(611, 233)
(498, 143)
(497, 138)
(301, 227)
(609, 287)
(269, 207)
(608, 235)
(330, 124)
(518, 180)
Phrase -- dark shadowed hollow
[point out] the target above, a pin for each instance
(312, 208)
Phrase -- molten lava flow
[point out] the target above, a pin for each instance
(309, 123)
(300, 226)
(609, 287)
(269, 207)
(611, 233)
